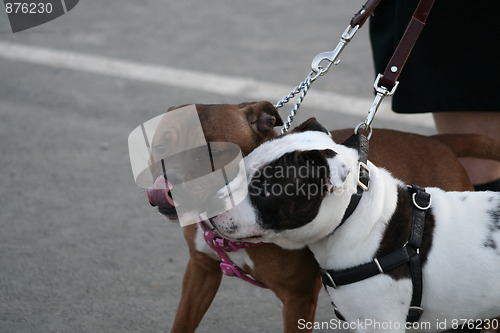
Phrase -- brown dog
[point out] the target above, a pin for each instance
(416, 159)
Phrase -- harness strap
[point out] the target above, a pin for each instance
(335, 278)
(221, 246)
(421, 202)
(415, 311)
(360, 142)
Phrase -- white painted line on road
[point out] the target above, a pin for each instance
(207, 82)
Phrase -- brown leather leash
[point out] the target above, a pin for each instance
(366, 11)
(387, 83)
(405, 46)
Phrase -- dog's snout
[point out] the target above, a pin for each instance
(159, 193)
(224, 223)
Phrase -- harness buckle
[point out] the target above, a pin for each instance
(363, 173)
(225, 245)
(218, 242)
(327, 279)
(378, 266)
(414, 314)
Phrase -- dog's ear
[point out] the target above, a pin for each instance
(328, 166)
(337, 168)
(338, 172)
(263, 115)
(318, 156)
(310, 124)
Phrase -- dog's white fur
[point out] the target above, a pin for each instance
(461, 277)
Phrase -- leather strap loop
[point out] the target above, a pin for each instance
(400, 56)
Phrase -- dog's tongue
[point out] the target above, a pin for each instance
(159, 193)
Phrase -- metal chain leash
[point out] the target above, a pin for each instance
(302, 88)
(327, 58)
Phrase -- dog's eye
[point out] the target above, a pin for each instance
(160, 149)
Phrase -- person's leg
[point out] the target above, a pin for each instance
(486, 123)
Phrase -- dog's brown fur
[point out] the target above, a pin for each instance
(293, 275)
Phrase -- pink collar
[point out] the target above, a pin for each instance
(221, 246)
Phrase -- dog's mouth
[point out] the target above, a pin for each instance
(255, 238)
(160, 195)
(251, 239)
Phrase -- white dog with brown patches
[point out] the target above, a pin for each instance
(299, 187)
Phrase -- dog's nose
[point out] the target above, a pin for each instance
(159, 194)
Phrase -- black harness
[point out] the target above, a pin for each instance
(409, 253)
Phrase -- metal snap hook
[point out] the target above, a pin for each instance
(331, 56)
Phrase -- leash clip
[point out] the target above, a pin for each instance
(332, 56)
(381, 93)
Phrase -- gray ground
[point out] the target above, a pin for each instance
(80, 248)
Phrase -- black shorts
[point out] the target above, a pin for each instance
(455, 64)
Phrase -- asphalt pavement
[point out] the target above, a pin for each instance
(81, 250)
